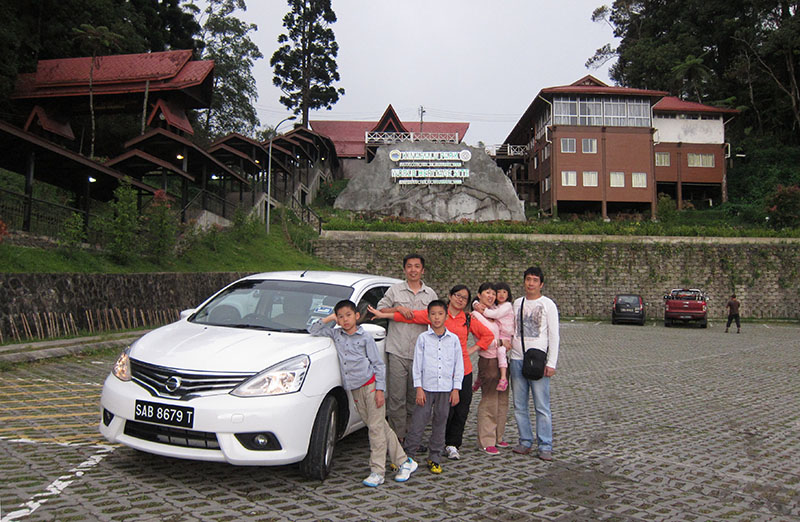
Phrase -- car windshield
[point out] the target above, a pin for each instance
(281, 306)
(686, 295)
(628, 300)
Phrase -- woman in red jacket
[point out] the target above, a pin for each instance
(457, 322)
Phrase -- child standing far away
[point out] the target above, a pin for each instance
(438, 370)
(364, 374)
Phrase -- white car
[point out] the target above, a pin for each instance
(239, 379)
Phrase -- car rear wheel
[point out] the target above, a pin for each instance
(319, 459)
(704, 323)
(667, 323)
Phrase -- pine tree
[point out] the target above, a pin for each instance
(305, 65)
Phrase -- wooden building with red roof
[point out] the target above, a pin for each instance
(357, 141)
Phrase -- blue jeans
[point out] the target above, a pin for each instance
(520, 387)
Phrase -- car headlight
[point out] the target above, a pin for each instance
(284, 377)
(122, 368)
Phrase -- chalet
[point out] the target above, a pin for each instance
(591, 147)
(357, 141)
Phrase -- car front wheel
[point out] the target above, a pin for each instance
(319, 459)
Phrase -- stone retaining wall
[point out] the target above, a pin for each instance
(583, 273)
(112, 301)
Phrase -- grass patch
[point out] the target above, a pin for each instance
(227, 250)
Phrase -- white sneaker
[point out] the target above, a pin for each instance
(408, 467)
(373, 481)
(452, 452)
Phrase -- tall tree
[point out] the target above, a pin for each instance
(743, 52)
(227, 42)
(97, 40)
(305, 65)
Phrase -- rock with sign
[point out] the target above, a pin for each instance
(432, 182)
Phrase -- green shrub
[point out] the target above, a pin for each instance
(666, 209)
(121, 230)
(73, 234)
(245, 227)
(329, 191)
(160, 229)
(783, 207)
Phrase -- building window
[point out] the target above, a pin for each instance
(589, 145)
(565, 111)
(546, 184)
(617, 179)
(568, 145)
(569, 178)
(616, 112)
(662, 159)
(546, 152)
(536, 162)
(590, 111)
(700, 160)
(638, 113)
(639, 180)
(590, 178)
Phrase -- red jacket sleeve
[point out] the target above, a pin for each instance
(483, 335)
(420, 317)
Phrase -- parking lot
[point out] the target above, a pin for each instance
(650, 423)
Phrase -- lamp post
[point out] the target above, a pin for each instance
(269, 167)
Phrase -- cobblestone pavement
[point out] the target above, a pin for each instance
(651, 423)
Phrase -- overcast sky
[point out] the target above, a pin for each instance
(479, 61)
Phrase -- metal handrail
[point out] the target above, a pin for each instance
(396, 137)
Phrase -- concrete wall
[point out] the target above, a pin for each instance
(582, 273)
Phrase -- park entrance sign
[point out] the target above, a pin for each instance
(434, 182)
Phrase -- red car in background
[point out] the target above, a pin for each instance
(685, 305)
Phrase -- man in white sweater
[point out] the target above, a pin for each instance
(536, 327)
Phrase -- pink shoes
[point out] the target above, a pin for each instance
(502, 385)
(491, 450)
(477, 385)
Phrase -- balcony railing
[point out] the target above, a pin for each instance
(383, 138)
(507, 150)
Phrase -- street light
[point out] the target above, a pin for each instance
(269, 166)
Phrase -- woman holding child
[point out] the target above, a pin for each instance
(493, 364)
(458, 323)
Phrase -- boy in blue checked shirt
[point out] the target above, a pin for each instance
(364, 373)
(438, 370)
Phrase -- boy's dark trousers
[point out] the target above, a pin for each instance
(438, 404)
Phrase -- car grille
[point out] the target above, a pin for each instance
(171, 436)
(155, 380)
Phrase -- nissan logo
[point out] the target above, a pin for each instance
(173, 383)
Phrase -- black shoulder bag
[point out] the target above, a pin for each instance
(533, 360)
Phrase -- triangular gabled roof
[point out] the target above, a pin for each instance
(588, 81)
(389, 122)
(173, 115)
(51, 121)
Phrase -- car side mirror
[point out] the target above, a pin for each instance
(187, 313)
(377, 331)
(667, 296)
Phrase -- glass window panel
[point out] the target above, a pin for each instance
(590, 178)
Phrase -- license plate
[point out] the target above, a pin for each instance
(626, 310)
(685, 317)
(181, 416)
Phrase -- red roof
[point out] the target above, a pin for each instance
(675, 104)
(51, 121)
(591, 85)
(121, 68)
(116, 74)
(349, 136)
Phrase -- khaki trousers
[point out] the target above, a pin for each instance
(401, 399)
(493, 408)
(381, 436)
